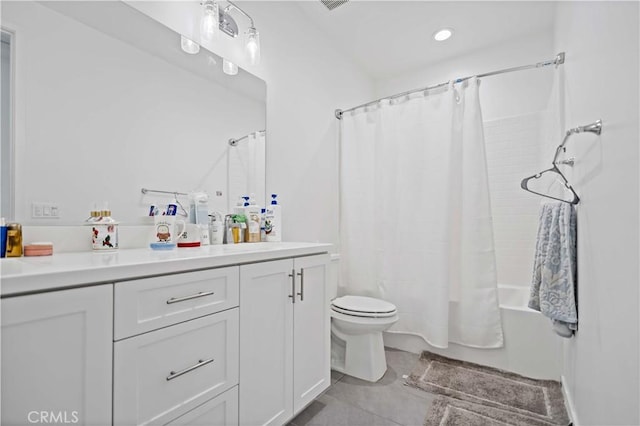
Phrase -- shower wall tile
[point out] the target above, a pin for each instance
(513, 147)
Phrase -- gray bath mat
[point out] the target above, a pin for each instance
(539, 400)
(447, 411)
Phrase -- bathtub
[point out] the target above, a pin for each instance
(530, 348)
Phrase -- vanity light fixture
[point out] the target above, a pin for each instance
(189, 46)
(229, 67)
(229, 26)
(210, 20)
(443, 34)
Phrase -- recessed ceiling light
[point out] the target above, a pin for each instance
(189, 46)
(443, 34)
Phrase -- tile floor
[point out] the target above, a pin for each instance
(353, 402)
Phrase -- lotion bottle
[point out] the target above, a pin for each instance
(273, 221)
(252, 213)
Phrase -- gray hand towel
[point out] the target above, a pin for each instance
(553, 287)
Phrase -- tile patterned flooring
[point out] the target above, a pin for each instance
(353, 402)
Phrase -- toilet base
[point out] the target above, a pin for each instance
(364, 356)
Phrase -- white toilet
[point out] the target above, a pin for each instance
(357, 323)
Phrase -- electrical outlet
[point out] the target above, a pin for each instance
(41, 210)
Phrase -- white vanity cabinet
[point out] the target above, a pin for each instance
(176, 349)
(56, 357)
(220, 337)
(284, 338)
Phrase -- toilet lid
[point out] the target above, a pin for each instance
(363, 306)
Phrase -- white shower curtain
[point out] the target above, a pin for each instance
(416, 225)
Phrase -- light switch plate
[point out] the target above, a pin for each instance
(45, 210)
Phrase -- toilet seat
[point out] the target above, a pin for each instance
(361, 306)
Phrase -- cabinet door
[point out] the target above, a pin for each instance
(56, 357)
(266, 343)
(312, 333)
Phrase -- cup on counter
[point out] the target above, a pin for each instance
(190, 237)
(164, 234)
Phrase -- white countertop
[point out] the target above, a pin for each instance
(22, 275)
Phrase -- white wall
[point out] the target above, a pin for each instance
(601, 361)
(98, 119)
(501, 96)
(307, 80)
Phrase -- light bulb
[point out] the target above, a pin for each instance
(443, 34)
(189, 46)
(253, 46)
(209, 21)
(229, 67)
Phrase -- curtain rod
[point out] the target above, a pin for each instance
(234, 141)
(558, 60)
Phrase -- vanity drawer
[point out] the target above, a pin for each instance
(152, 303)
(161, 375)
(220, 411)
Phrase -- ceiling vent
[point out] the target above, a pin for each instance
(332, 4)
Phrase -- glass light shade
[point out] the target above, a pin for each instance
(252, 46)
(189, 46)
(209, 22)
(229, 67)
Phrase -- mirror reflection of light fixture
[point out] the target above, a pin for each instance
(189, 46)
(229, 26)
(209, 21)
(229, 67)
(253, 45)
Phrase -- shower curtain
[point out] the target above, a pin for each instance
(246, 169)
(416, 225)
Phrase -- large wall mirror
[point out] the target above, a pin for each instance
(106, 102)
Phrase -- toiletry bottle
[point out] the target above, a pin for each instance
(202, 216)
(239, 207)
(263, 233)
(252, 213)
(216, 227)
(273, 220)
(3, 239)
(14, 240)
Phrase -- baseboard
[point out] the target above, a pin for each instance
(568, 402)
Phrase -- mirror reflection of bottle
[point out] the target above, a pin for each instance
(14, 240)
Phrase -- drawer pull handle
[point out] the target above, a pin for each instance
(193, 296)
(172, 375)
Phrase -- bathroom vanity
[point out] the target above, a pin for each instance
(213, 335)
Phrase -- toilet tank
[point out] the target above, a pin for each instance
(333, 276)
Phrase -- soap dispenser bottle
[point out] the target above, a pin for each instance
(252, 213)
(273, 221)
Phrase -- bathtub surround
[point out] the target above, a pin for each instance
(537, 399)
(415, 229)
(553, 287)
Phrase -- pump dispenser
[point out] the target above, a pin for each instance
(252, 213)
(273, 221)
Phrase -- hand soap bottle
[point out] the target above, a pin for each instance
(252, 213)
(273, 221)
